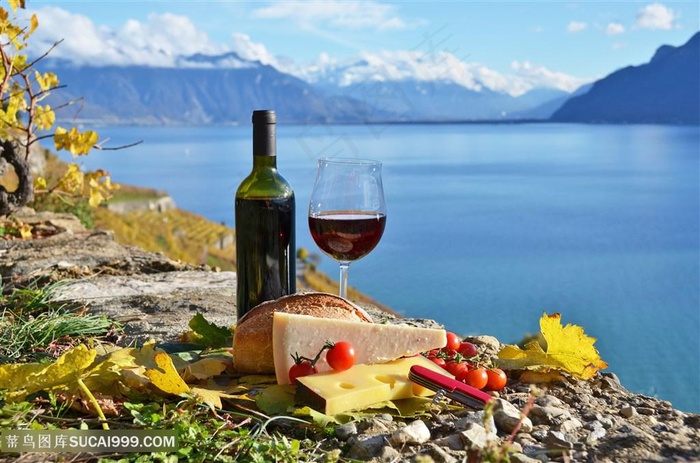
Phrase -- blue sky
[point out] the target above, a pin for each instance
(551, 43)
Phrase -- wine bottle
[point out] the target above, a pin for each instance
(265, 224)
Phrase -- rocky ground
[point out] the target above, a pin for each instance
(155, 297)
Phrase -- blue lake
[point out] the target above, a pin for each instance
(490, 226)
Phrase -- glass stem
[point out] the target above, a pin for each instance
(344, 279)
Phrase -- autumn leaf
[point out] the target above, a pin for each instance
(24, 379)
(44, 117)
(47, 80)
(25, 231)
(210, 397)
(109, 405)
(13, 376)
(73, 180)
(569, 349)
(33, 24)
(137, 369)
(100, 187)
(73, 141)
(165, 377)
(14, 4)
(40, 183)
(212, 393)
(206, 368)
(96, 196)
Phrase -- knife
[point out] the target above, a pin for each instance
(455, 390)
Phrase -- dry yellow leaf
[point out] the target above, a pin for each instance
(119, 370)
(569, 349)
(125, 369)
(23, 379)
(13, 376)
(165, 377)
(208, 396)
(206, 368)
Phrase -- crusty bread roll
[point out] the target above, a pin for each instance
(252, 339)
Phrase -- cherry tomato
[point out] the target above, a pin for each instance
(302, 368)
(477, 378)
(439, 361)
(341, 356)
(456, 368)
(467, 349)
(496, 379)
(462, 376)
(453, 342)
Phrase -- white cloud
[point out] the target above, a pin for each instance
(614, 29)
(439, 66)
(163, 40)
(528, 76)
(253, 51)
(157, 42)
(333, 14)
(656, 16)
(577, 26)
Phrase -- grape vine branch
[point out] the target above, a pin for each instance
(26, 119)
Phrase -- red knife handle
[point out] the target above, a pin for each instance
(441, 381)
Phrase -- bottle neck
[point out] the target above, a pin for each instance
(264, 140)
(269, 162)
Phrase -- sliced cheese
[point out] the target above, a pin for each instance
(304, 335)
(362, 385)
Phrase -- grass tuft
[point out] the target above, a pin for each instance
(33, 326)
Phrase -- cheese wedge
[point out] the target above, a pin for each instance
(362, 385)
(305, 335)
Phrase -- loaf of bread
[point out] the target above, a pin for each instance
(252, 339)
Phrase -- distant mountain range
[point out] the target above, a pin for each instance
(665, 90)
(225, 89)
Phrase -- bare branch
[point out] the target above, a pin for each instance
(45, 54)
(115, 148)
(70, 102)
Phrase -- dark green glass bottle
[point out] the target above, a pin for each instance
(265, 224)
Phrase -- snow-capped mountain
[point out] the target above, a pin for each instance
(391, 87)
(225, 88)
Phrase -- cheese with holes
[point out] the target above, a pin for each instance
(362, 385)
(304, 335)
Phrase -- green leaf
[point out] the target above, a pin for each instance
(209, 334)
(319, 418)
(275, 400)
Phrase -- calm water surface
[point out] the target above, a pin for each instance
(489, 226)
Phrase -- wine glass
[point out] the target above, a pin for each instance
(347, 213)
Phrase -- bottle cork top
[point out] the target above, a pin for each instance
(264, 116)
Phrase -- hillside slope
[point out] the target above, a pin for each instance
(664, 90)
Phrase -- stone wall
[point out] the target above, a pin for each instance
(162, 204)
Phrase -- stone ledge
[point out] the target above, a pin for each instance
(155, 297)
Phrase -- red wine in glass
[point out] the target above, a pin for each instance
(347, 212)
(347, 235)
